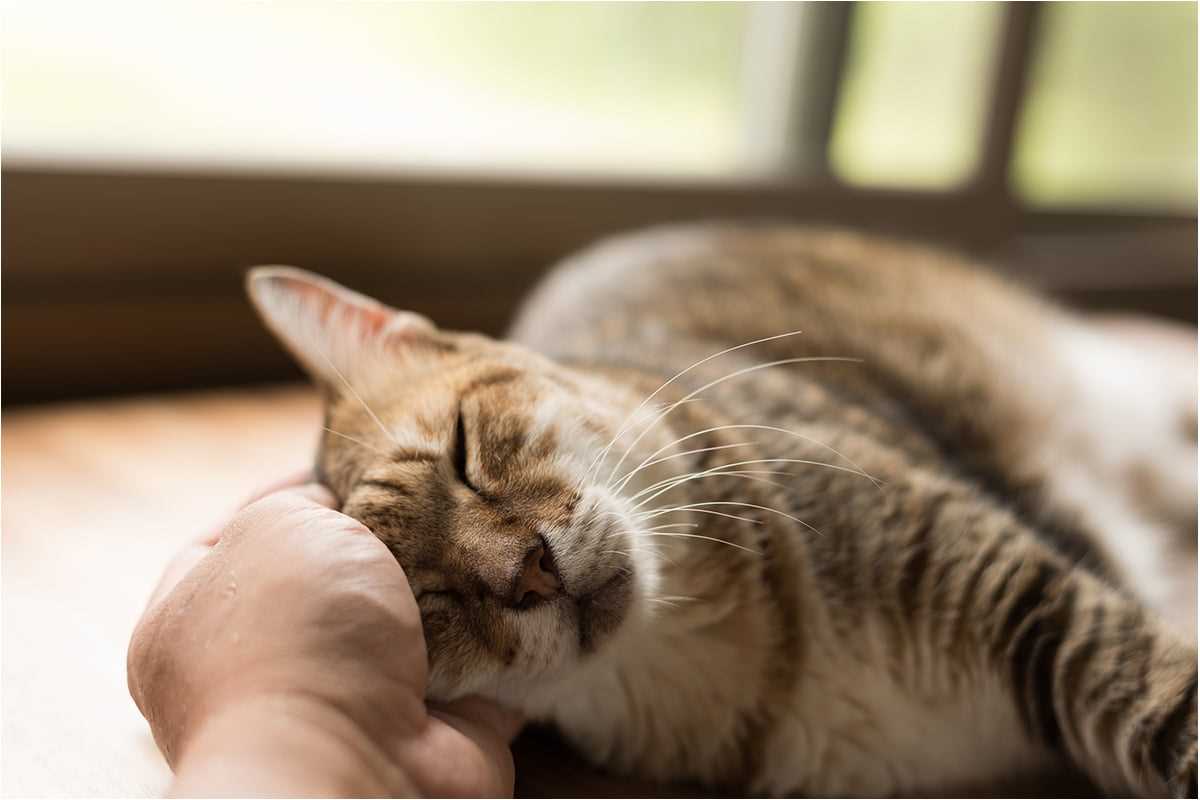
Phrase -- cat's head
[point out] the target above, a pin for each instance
(472, 459)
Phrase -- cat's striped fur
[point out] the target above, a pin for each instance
(908, 570)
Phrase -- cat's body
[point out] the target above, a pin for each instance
(937, 563)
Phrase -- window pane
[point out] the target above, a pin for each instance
(1111, 113)
(915, 93)
(585, 87)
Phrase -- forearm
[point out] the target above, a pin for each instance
(283, 747)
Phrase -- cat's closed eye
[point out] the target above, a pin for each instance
(459, 456)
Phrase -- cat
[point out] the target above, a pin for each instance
(781, 510)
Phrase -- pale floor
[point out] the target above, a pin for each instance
(96, 498)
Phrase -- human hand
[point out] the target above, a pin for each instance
(285, 655)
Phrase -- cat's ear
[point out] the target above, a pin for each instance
(334, 333)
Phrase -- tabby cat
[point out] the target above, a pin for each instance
(782, 510)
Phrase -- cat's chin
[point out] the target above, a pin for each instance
(584, 625)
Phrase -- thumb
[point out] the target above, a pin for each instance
(179, 566)
(489, 728)
(482, 715)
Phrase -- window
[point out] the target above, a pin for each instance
(914, 96)
(591, 87)
(713, 90)
(1110, 119)
(153, 150)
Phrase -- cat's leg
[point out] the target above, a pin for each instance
(1092, 674)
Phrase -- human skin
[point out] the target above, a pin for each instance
(284, 656)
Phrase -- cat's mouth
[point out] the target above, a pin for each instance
(602, 610)
(601, 574)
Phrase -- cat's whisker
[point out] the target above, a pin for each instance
(656, 491)
(752, 475)
(623, 553)
(622, 515)
(592, 473)
(707, 539)
(632, 414)
(702, 506)
(747, 426)
(673, 601)
(657, 549)
(740, 474)
(668, 525)
(666, 601)
(675, 480)
(678, 597)
(670, 510)
(358, 442)
(655, 528)
(624, 478)
(641, 545)
(359, 398)
(735, 374)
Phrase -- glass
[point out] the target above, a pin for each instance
(915, 93)
(593, 87)
(1110, 117)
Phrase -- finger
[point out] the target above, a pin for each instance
(502, 722)
(182, 563)
(212, 537)
(176, 570)
(298, 477)
(489, 728)
(312, 493)
(285, 501)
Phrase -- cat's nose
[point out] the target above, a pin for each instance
(538, 579)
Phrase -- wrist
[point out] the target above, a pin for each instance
(286, 746)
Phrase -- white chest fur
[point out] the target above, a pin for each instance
(850, 729)
(1119, 429)
(669, 710)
